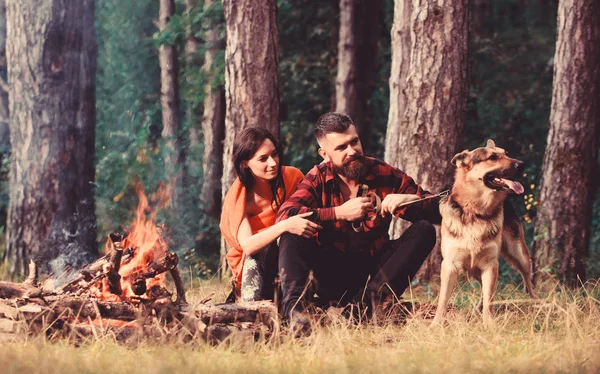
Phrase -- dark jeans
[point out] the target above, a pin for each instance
(340, 277)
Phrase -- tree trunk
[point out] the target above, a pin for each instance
(251, 75)
(481, 20)
(51, 55)
(213, 125)
(399, 72)
(169, 100)
(192, 62)
(562, 226)
(360, 21)
(4, 129)
(435, 102)
(346, 92)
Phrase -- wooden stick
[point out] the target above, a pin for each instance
(112, 271)
(32, 278)
(180, 299)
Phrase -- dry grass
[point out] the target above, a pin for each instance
(560, 333)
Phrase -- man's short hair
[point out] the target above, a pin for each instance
(332, 122)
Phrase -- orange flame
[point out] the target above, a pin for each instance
(146, 240)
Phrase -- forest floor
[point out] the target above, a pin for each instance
(559, 333)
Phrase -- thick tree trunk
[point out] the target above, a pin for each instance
(51, 54)
(399, 72)
(4, 129)
(213, 126)
(562, 226)
(435, 102)
(169, 100)
(360, 21)
(251, 75)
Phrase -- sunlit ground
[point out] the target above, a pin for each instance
(559, 333)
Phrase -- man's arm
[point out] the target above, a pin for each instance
(427, 209)
(307, 198)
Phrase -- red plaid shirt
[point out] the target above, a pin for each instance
(319, 192)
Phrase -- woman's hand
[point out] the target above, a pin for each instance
(391, 202)
(299, 225)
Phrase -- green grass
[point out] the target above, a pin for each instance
(560, 333)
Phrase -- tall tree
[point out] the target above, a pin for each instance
(399, 72)
(436, 91)
(213, 121)
(562, 227)
(4, 130)
(251, 75)
(192, 63)
(360, 21)
(169, 99)
(51, 55)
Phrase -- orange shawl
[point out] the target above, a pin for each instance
(234, 210)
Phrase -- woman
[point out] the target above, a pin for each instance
(249, 210)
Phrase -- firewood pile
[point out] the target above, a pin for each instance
(123, 295)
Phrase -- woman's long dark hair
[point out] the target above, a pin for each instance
(245, 146)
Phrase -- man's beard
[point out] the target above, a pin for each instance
(353, 169)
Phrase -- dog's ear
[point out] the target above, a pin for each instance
(490, 143)
(460, 159)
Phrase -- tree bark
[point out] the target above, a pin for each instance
(4, 129)
(51, 55)
(213, 126)
(480, 23)
(251, 76)
(399, 72)
(360, 21)
(562, 226)
(169, 100)
(192, 62)
(430, 129)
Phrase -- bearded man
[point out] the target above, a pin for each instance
(352, 258)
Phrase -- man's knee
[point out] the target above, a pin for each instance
(289, 242)
(426, 233)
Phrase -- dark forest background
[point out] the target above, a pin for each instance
(510, 73)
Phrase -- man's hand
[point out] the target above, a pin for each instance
(353, 209)
(391, 202)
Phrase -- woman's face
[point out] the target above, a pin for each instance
(264, 164)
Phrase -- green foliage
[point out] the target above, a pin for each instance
(510, 92)
(129, 145)
(510, 86)
(306, 50)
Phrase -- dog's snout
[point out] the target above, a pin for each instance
(519, 165)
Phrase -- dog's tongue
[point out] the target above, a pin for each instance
(515, 186)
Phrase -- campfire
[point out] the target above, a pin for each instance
(125, 292)
(135, 264)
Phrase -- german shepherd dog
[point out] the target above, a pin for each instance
(478, 225)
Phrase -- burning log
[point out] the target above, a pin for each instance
(178, 286)
(111, 270)
(91, 273)
(138, 286)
